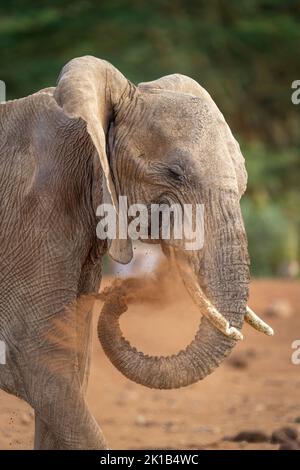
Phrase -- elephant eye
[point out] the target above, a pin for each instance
(176, 173)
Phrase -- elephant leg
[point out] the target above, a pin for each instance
(47, 435)
(67, 425)
(44, 439)
(66, 420)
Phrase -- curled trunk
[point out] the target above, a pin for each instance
(207, 350)
(192, 364)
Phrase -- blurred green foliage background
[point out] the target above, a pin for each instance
(244, 52)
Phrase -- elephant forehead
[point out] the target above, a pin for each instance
(161, 121)
(179, 116)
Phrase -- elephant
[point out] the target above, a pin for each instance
(66, 149)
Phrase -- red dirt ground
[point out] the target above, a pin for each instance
(257, 388)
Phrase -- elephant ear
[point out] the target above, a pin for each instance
(92, 89)
(183, 84)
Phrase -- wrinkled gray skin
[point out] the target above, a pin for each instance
(61, 152)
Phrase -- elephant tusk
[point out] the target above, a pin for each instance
(206, 307)
(219, 321)
(258, 323)
(211, 313)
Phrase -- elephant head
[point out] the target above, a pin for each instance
(167, 142)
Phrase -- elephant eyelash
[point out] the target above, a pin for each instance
(176, 174)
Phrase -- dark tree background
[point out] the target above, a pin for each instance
(244, 52)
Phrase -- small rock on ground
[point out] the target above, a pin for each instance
(289, 445)
(282, 435)
(250, 436)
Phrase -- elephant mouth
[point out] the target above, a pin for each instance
(155, 371)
